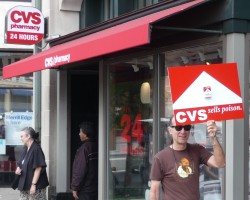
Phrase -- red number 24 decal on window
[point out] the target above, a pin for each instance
(136, 129)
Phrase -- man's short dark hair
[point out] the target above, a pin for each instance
(88, 128)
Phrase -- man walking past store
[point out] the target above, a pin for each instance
(85, 167)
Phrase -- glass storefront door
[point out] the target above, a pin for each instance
(130, 127)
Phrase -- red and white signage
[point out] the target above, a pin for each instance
(205, 92)
(24, 25)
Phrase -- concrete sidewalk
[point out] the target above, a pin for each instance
(9, 194)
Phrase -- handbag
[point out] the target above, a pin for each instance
(14, 184)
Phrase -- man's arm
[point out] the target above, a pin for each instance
(155, 190)
(218, 157)
(75, 194)
(79, 169)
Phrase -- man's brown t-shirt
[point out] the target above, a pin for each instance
(179, 171)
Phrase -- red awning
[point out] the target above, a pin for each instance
(123, 36)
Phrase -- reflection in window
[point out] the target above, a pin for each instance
(130, 127)
(97, 11)
(92, 12)
(7, 58)
(125, 6)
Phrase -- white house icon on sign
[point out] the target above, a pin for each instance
(193, 97)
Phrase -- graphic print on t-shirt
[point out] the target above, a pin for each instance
(184, 168)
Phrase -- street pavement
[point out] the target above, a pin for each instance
(9, 194)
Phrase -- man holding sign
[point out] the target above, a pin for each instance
(175, 169)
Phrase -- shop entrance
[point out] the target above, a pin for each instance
(84, 87)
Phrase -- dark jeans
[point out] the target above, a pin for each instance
(88, 195)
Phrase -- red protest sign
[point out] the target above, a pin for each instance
(205, 92)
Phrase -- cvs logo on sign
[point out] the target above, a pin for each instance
(27, 17)
(190, 116)
(24, 25)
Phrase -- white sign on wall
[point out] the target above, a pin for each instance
(14, 123)
(2, 146)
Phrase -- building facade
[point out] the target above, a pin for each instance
(16, 101)
(107, 61)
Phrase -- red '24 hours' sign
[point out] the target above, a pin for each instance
(205, 92)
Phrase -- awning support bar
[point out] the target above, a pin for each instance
(187, 29)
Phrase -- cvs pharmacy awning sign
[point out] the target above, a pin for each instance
(205, 92)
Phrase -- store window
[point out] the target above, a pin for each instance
(130, 127)
(120, 7)
(123, 6)
(16, 113)
(210, 178)
(130, 122)
(16, 102)
(94, 12)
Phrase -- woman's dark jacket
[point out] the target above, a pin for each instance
(33, 158)
(85, 167)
